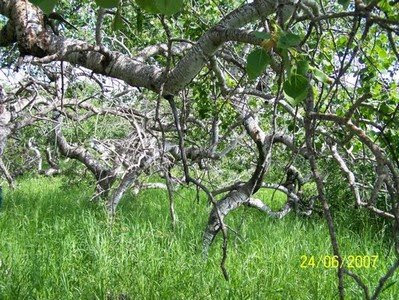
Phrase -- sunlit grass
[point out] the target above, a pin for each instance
(56, 245)
(273, 198)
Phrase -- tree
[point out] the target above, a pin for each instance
(228, 83)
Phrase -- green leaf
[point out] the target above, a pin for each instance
(296, 88)
(287, 63)
(148, 5)
(107, 3)
(321, 76)
(342, 41)
(344, 3)
(376, 90)
(288, 40)
(169, 7)
(117, 23)
(257, 62)
(302, 67)
(47, 6)
(386, 109)
(262, 35)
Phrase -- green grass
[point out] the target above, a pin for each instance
(56, 245)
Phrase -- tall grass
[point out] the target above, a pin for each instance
(54, 244)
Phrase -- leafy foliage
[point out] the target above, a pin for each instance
(288, 40)
(257, 62)
(165, 7)
(296, 88)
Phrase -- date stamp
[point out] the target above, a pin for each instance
(332, 261)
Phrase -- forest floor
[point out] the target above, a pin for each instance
(54, 244)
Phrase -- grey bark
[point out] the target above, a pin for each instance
(104, 176)
(35, 39)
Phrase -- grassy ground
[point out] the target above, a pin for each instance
(56, 245)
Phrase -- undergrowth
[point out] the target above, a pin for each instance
(54, 244)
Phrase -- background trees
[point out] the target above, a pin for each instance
(228, 97)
